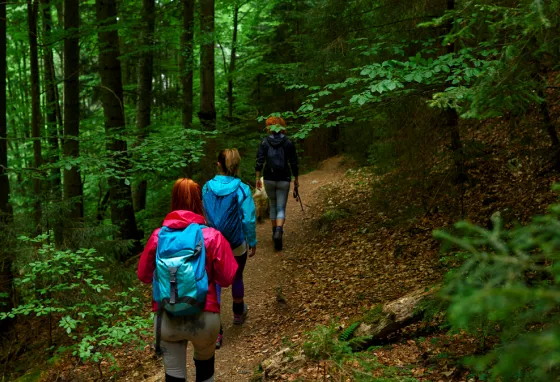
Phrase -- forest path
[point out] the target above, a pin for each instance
(245, 346)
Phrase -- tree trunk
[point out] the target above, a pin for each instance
(452, 122)
(32, 13)
(122, 211)
(550, 128)
(144, 101)
(186, 65)
(207, 113)
(186, 62)
(4, 180)
(232, 61)
(51, 118)
(393, 316)
(547, 122)
(6, 275)
(73, 193)
(25, 90)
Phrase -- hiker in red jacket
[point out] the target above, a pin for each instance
(202, 331)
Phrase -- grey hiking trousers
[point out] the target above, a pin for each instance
(202, 331)
(277, 192)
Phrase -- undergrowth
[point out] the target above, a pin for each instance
(328, 343)
(86, 318)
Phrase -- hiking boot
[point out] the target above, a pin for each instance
(219, 341)
(277, 238)
(239, 319)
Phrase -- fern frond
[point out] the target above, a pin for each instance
(349, 331)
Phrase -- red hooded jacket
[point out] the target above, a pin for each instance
(220, 263)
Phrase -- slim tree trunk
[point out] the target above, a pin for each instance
(73, 194)
(232, 61)
(452, 121)
(122, 211)
(51, 117)
(186, 62)
(207, 113)
(186, 66)
(6, 275)
(550, 128)
(25, 90)
(547, 122)
(4, 180)
(32, 13)
(144, 101)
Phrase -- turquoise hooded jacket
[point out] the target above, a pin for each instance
(225, 185)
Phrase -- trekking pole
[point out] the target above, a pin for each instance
(297, 197)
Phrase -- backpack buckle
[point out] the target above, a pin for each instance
(173, 283)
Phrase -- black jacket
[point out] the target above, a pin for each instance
(290, 157)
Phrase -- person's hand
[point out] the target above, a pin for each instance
(296, 182)
(259, 184)
(252, 251)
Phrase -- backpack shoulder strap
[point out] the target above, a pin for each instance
(266, 145)
(242, 190)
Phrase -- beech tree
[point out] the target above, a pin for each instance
(73, 193)
(32, 13)
(186, 62)
(53, 117)
(145, 75)
(6, 275)
(207, 112)
(122, 211)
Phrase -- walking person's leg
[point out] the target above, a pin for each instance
(174, 350)
(220, 338)
(238, 291)
(270, 188)
(202, 334)
(175, 360)
(282, 192)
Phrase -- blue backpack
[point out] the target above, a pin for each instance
(180, 283)
(224, 214)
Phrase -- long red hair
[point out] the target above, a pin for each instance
(186, 195)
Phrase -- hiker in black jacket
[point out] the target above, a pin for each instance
(277, 154)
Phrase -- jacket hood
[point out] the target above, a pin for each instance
(222, 185)
(276, 140)
(181, 219)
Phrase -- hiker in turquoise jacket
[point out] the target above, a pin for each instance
(229, 207)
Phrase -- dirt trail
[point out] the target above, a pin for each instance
(244, 347)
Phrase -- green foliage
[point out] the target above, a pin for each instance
(503, 51)
(333, 214)
(349, 332)
(69, 286)
(323, 344)
(508, 289)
